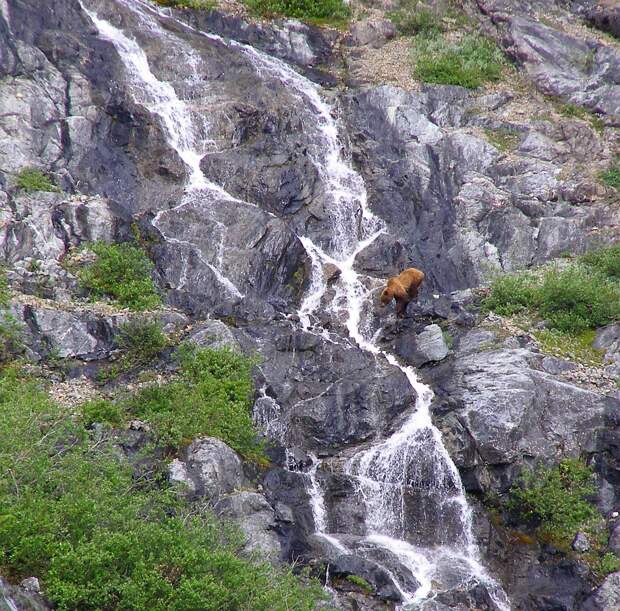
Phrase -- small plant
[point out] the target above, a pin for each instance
(102, 411)
(504, 139)
(571, 300)
(572, 111)
(470, 62)
(611, 176)
(141, 341)
(206, 5)
(31, 179)
(360, 582)
(576, 347)
(605, 260)
(556, 500)
(318, 11)
(603, 566)
(412, 17)
(122, 272)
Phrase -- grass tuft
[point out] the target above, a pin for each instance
(334, 12)
(32, 179)
(470, 62)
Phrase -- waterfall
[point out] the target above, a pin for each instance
(414, 457)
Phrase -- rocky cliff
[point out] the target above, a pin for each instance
(276, 173)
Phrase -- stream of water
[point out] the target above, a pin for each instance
(414, 457)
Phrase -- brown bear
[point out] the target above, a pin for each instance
(403, 288)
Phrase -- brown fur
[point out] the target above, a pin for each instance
(403, 288)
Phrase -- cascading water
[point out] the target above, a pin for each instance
(413, 458)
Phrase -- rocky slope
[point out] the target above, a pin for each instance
(223, 228)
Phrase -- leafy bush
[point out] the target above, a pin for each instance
(207, 5)
(413, 17)
(575, 346)
(123, 272)
(572, 300)
(360, 582)
(212, 398)
(328, 11)
(611, 176)
(31, 179)
(605, 260)
(141, 341)
(469, 62)
(557, 500)
(72, 514)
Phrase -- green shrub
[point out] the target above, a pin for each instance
(326, 11)
(141, 341)
(571, 300)
(31, 179)
(213, 398)
(470, 62)
(413, 17)
(104, 412)
(557, 500)
(574, 346)
(122, 272)
(606, 564)
(72, 514)
(611, 176)
(605, 260)
(207, 5)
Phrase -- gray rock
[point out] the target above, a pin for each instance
(14, 598)
(373, 33)
(208, 468)
(614, 540)
(257, 520)
(606, 597)
(580, 543)
(30, 584)
(557, 366)
(214, 334)
(605, 15)
(432, 344)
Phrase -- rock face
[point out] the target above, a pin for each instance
(274, 204)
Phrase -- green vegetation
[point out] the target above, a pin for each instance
(469, 62)
(207, 5)
(141, 341)
(504, 139)
(31, 179)
(319, 11)
(576, 346)
(73, 514)
(211, 398)
(360, 582)
(557, 501)
(611, 176)
(122, 272)
(606, 260)
(571, 300)
(11, 344)
(413, 17)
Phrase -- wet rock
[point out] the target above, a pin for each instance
(208, 468)
(21, 598)
(580, 543)
(606, 597)
(382, 583)
(257, 520)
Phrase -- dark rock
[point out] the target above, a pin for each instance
(604, 15)
(381, 581)
(606, 597)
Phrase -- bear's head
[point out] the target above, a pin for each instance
(386, 296)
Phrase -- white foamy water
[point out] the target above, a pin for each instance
(414, 456)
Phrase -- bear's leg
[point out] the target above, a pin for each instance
(401, 307)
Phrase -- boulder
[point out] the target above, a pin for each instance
(208, 468)
(606, 597)
(256, 519)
